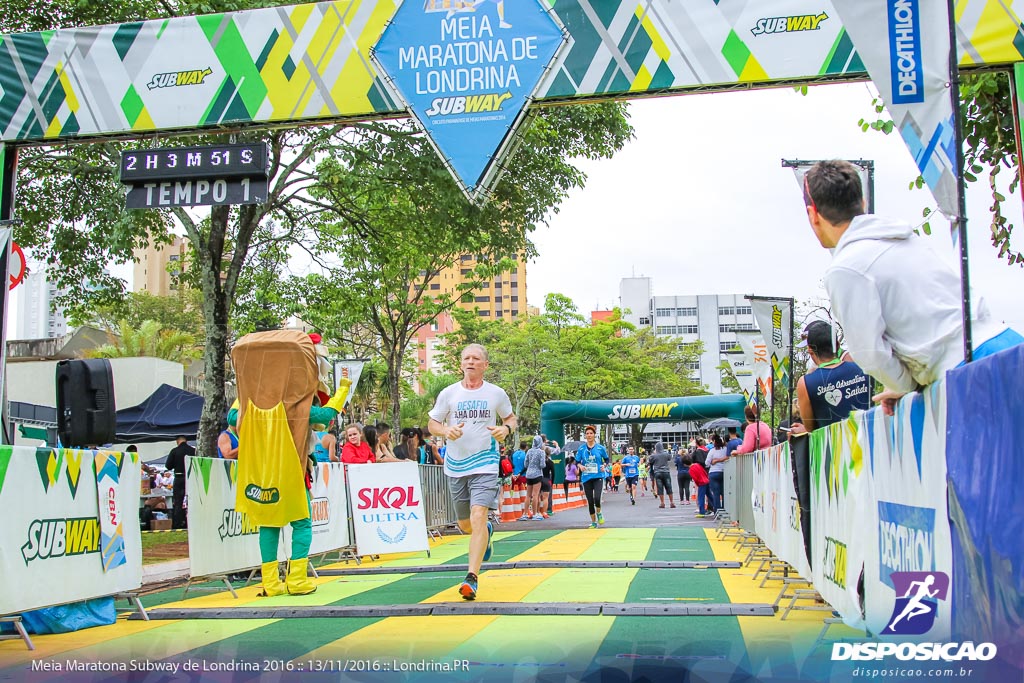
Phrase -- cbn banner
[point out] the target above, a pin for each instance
(776, 510)
(775, 320)
(387, 508)
(838, 487)
(54, 548)
(909, 560)
(222, 540)
(756, 351)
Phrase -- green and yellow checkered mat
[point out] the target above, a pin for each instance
(555, 645)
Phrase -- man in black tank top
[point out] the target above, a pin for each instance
(835, 388)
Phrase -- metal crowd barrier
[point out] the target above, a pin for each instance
(437, 500)
(739, 483)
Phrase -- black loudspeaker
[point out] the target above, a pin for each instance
(85, 403)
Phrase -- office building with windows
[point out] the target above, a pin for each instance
(712, 319)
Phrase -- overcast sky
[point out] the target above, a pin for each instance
(700, 203)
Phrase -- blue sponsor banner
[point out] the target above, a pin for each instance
(466, 69)
(905, 52)
(906, 540)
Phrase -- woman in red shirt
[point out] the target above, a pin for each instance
(356, 451)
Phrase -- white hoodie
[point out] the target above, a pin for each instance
(899, 304)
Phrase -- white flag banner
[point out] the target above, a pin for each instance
(743, 373)
(350, 368)
(800, 171)
(756, 351)
(904, 45)
(387, 508)
(774, 319)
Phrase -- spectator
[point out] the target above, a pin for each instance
(176, 462)
(572, 475)
(834, 389)
(546, 483)
(898, 303)
(660, 461)
(700, 477)
(757, 434)
(227, 442)
(682, 463)
(384, 452)
(534, 473)
(716, 471)
(326, 446)
(356, 451)
(616, 475)
(409, 449)
(370, 437)
(519, 465)
(733, 441)
(164, 480)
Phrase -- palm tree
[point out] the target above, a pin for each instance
(150, 339)
(415, 408)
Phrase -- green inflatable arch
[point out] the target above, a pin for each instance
(554, 415)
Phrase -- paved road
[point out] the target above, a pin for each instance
(619, 513)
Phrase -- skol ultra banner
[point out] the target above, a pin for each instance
(222, 540)
(775, 320)
(838, 484)
(908, 565)
(776, 510)
(56, 544)
(905, 46)
(387, 508)
(756, 351)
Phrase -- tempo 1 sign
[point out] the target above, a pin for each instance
(196, 176)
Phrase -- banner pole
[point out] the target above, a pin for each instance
(961, 195)
(8, 179)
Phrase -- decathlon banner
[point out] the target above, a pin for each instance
(466, 70)
(909, 562)
(387, 508)
(54, 548)
(776, 510)
(775, 320)
(222, 540)
(838, 487)
(756, 352)
(905, 46)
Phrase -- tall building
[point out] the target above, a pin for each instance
(502, 298)
(712, 319)
(37, 319)
(154, 272)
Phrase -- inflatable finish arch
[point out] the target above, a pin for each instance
(555, 414)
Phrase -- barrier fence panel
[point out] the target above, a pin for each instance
(437, 500)
(222, 540)
(54, 547)
(775, 507)
(388, 508)
(743, 505)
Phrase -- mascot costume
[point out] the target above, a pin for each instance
(282, 379)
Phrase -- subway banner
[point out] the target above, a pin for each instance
(56, 544)
(222, 540)
(776, 510)
(387, 508)
(775, 320)
(838, 488)
(312, 61)
(908, 569)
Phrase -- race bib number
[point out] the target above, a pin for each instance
(592, 469)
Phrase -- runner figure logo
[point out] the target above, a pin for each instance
(915, 612)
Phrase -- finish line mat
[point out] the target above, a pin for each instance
(674, 577)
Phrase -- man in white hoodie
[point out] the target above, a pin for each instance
(898, 302)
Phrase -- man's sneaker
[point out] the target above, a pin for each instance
(525, 518)
(593, 525)
(468, 588)
(537, 518)
(490, 542)
(600, 518)
(632, 500)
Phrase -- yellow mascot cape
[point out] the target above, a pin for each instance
(277, 379)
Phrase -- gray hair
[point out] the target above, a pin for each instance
(477, 347)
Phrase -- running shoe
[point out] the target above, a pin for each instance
(632, 500)
(490, 542)
(700, 514)
(525, 518)
(468, 589)
(600, 518)
(537, 518)
(593, 525)
(544, 515)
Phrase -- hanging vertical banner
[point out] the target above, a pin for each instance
(742, 371)
(800, 170)
(348, 369)
(775, 321)
(466, 70)
(905, 45)
(108, 488)
(756, 351)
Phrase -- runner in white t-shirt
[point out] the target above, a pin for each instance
(466, 414)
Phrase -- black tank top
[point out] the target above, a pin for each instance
(836, 391)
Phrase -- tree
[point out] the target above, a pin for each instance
(182, 311)
(148, 339)
(416, 407)
(398, 219)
